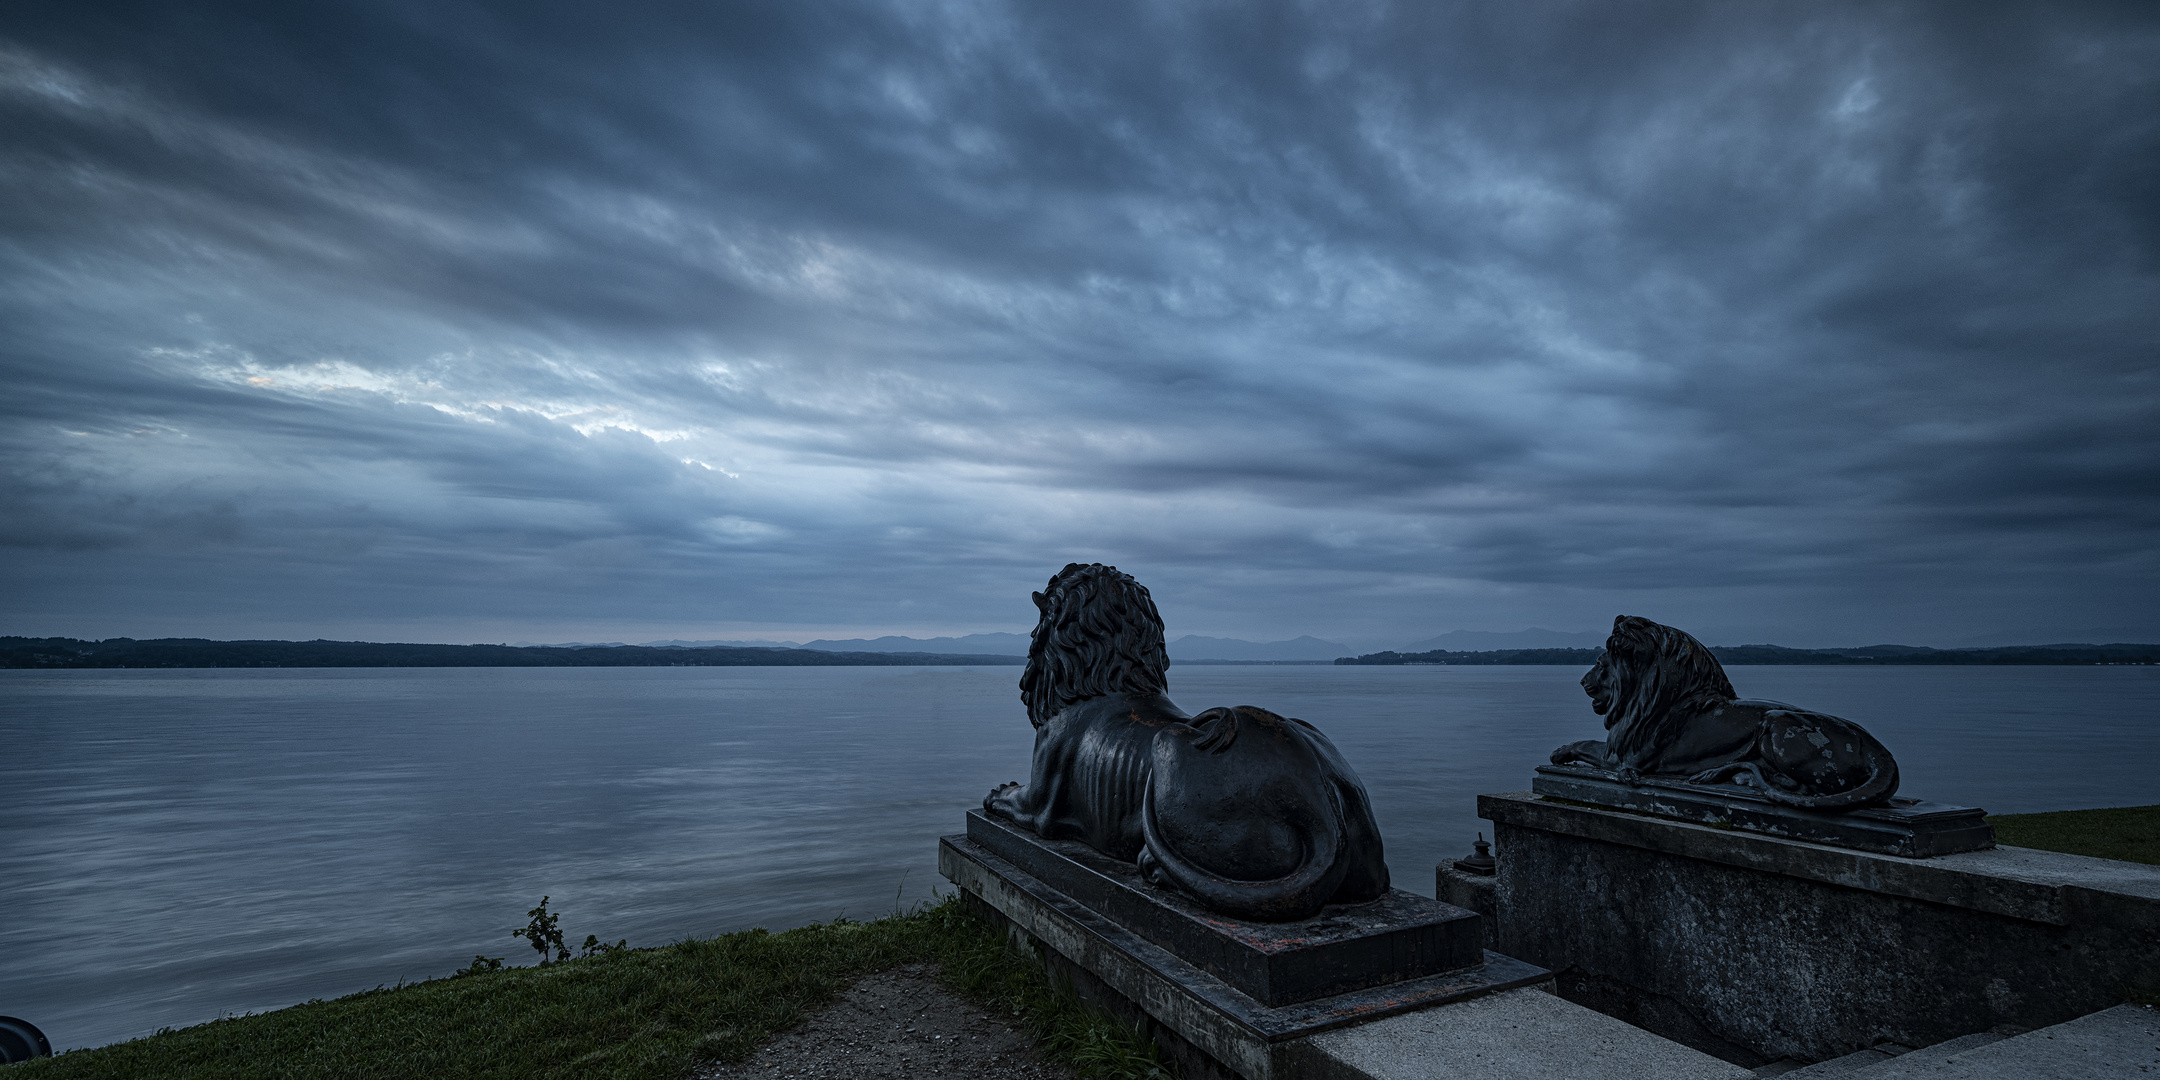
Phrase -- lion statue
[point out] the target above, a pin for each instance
(1254, 815)
(1670, 712)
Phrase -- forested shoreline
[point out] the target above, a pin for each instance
(22, 652)
(1739, 655)
(60, 652)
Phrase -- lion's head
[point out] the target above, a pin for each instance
(1649, 670)
(1099, 634)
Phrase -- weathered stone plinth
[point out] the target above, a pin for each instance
(1914, 828)
(1757, 947)
(1243, 1032)
(1398, 937)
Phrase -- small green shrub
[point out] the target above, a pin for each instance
(479, 965)
(542, 933)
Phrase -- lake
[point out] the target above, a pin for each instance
(179, 845)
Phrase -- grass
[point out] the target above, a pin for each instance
(650, 1014)
(2130, 833)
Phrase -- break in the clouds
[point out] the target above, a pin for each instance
(447, 321)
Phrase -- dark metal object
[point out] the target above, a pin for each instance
(1671, 713)
(1480, 860)
(20, 1040)
(1254, 815)
(1913, 828)
(1346, 947)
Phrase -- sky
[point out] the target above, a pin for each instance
(1813, 323)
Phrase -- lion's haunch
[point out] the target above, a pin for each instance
(1252, 814)
(1258, 816)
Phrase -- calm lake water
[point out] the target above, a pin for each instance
(181, 845)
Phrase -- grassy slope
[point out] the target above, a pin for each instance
(2130, 833)
(653, 1013)
(643, 1013)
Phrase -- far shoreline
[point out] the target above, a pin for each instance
(116, 653)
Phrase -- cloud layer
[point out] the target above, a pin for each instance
(462, 322)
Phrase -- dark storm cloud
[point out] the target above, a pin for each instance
(1365, 319)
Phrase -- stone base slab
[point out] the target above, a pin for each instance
(1346, 947)
(1913, 828)
(1253, 1039)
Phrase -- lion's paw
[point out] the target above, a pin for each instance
(1001, 799)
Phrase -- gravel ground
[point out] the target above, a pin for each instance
(897, 1023)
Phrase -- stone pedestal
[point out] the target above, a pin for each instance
(1399, 937)
(1247, 995)
(1914, 828)
(1758, 947)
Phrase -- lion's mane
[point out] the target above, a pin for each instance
(1660, 672)
(1099, 634)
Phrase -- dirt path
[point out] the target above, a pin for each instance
(897, 1023)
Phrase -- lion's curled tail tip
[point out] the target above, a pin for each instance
(1882, 783)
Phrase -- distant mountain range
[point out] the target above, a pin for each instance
(21, 652)
(1189, 647)
(2099, 636)
(1195, 647)
(1486, 640)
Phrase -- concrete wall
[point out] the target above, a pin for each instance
(1754, 948)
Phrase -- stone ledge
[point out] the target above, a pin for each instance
(1346, 947)
(2021, 883)
(1913, 828)
(2117, 1042)
(1253, 1039)
(1516, 1035)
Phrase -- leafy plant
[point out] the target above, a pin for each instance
(596, 947)
(542, 933)
(479, 964)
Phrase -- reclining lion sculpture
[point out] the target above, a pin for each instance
(1670, 712)
(1254, 815)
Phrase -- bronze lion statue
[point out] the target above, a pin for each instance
(1252, 814)
(1670, 712)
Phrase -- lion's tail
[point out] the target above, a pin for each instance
(1881, 783)
(1297, 895)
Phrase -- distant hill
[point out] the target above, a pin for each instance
(1489, 641)
(21, 652)
(988, 644)
(1195, 647)
(678, 643)
(2055, 638)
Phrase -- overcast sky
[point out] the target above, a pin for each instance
(1815, 323)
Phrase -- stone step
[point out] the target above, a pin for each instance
(1851, 1063)
(1944, 1050)
(2118, 1042)
(1525, 1034)
(1840, 1066)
